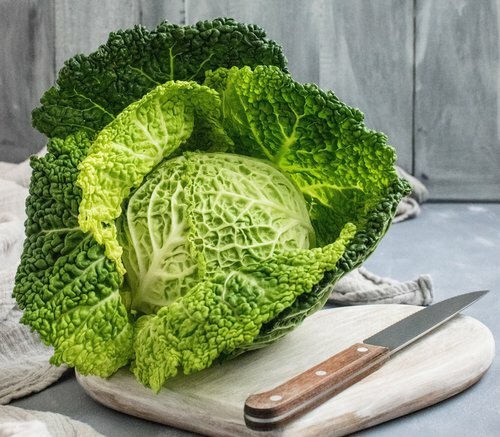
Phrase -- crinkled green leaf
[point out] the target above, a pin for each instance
(68, 288)
(127, 149)
(206, 212)
(92, 90)
(342, 167)
(225, 311)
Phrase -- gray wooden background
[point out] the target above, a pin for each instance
(425, 72)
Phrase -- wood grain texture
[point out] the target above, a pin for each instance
(366, 58)
(441, 364)
(293, 24)
(26, 70)
(153, 13)
(457, 112)
(81, 27)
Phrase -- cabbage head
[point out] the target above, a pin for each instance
(195, 202)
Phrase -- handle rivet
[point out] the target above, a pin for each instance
(321, 372)
(276, 397)
(362, 349)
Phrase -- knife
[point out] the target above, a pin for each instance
(271, 409)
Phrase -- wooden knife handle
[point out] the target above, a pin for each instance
(271, 409)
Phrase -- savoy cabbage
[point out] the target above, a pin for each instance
(195, 202)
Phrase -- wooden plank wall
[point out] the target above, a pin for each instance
(457, 98)
(26, 71)
(372, 69)
(424, 72)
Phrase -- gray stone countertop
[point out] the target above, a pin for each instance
(458, 244)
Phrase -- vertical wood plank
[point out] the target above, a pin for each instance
(457, 115)
(366, 58)
(26, 70)
(153, 13)
(293, 24)
(81, 27)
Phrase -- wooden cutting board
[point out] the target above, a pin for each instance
(210, 402)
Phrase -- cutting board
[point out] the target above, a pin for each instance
(444, 363)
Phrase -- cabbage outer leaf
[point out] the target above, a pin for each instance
(66, 285)
(342, 167)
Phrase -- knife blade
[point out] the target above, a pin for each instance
(271, 409)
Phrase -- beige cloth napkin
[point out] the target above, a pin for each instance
(409, 207)
(361, 287)
(24, 366)
(18, 422)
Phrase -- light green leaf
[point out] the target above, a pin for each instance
(227, 311)
(126, 150)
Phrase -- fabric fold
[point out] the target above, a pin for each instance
(362, 287)
(24, 360)
(18, 422)
(409, 207)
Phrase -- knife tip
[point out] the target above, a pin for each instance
(475, 295)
